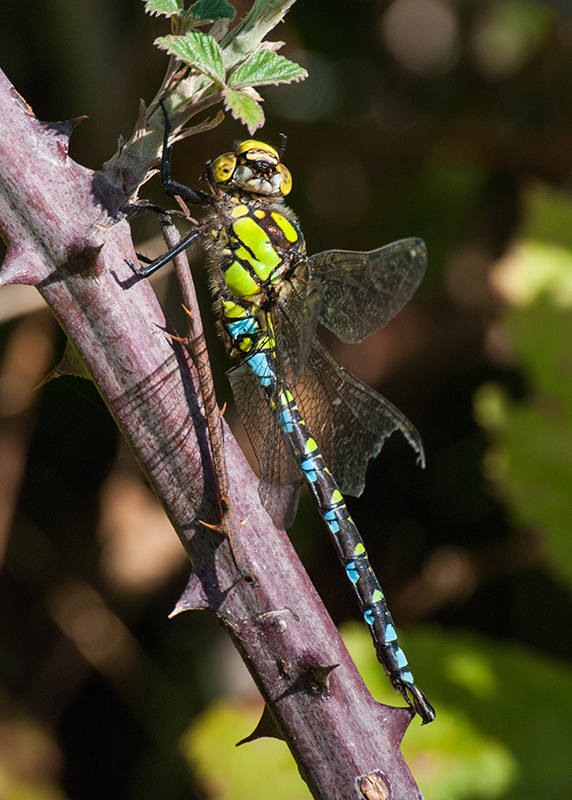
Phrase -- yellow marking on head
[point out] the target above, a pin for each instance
(239, 211)
(285, 179)
(256, 145)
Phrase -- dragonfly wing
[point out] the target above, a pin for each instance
(308, 314)
(361, 292)
(349, 420)
(295, 319)
(280, 478)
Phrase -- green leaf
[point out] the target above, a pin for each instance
(266, 67)
(244, 108)
(212, 10)
(245, 37)
(167, 7)
(198, 50)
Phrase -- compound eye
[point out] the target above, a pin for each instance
(285, 179)
(223, 167)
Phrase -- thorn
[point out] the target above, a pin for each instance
(192, 599)
(181, 339)
(211, 527)
(70, 363)
(49, 377)
(267, 727)
(63, 131)
(187, 311)
(317, 679)
(223, 409)
(243, 523)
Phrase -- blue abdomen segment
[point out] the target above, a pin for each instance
(259, 364)
(241, 327)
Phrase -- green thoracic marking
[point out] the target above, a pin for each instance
(240, 283)
(306, 417)
(262, 256)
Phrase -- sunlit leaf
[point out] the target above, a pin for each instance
(244, 108)
(531, 456)
(530, 459)
(533, 268)
(503, 728)
(198, 50)
(267, 67)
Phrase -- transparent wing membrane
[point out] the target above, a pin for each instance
(361, 292)
(349, 420)
(280, 478)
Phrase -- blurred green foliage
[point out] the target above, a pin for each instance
(491, 707)
(446, 120)
(531, 461)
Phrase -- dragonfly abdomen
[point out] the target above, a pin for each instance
(350, 547)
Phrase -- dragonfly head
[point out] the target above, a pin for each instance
(253, 167)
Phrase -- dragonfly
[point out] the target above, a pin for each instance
(308, 419)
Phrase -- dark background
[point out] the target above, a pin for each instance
(420, 118)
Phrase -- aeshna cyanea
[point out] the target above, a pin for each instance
(307, 418)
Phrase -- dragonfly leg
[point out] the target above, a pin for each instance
(173, 188)
(153, 266)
